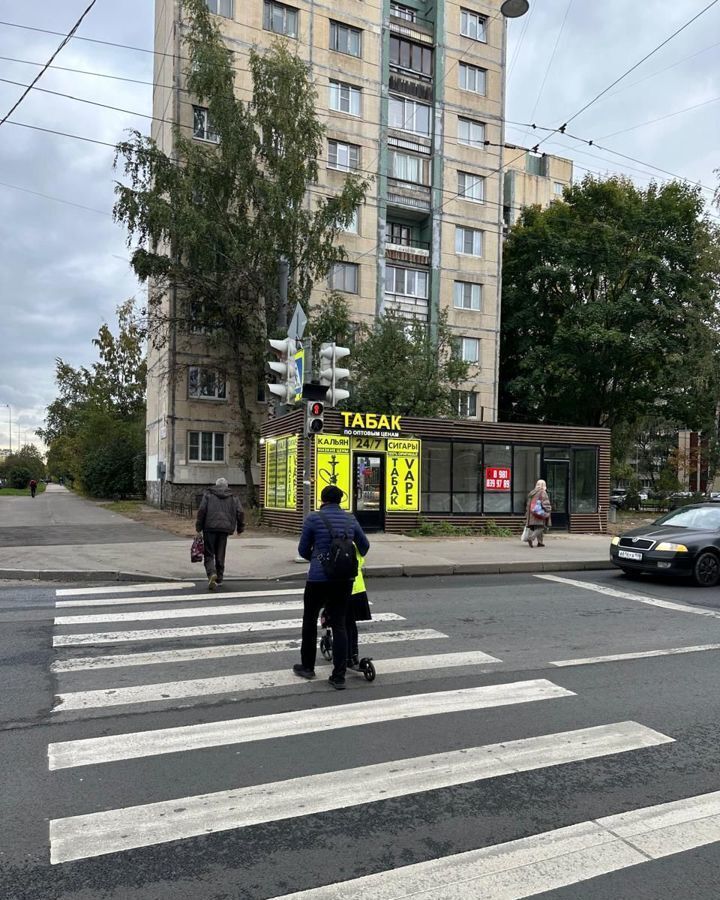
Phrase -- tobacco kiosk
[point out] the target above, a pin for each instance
(395, 470)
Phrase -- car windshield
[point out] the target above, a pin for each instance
(705, 517)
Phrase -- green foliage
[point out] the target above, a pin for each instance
(19, 476)
(609, 308)
(492, 529)
(209, 224)
(406, 368)
(428, 528)
(95, 428)
(19, 468)
(330, 321)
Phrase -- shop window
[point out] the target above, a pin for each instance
(498, 456)
(525, 473)
(436, 477)
(583, 495)
(467, 478)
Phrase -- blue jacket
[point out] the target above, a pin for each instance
(316, 539)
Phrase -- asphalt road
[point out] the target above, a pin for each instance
(141, 762)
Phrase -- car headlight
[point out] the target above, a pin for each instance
(615, 541)
(673, 548)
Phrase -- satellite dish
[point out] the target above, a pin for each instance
(513, 9)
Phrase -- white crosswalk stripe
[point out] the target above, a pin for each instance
(181, 598)
(100, 833)
(112, 748)
(125, 588)
(160, 634)
(203, 687)
(200, 612)
(222, 651)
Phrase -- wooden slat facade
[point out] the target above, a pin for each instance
(458, 430)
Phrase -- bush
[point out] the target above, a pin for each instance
(440, 529)
(491, 529)
(19, 477)
(110, 471)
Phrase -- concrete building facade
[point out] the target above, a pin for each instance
(411, 94)
(532, 179)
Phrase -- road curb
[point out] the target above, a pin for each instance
(390, 571)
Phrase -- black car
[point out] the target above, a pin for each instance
(683, 542)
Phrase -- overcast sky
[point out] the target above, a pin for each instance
(65, 269)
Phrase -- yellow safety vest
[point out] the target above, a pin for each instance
(359, 583)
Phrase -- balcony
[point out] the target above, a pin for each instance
(408, 251)
(408, 195)
(408, 307)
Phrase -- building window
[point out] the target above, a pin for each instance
(345, 98)
(470, 350)
(498, 456)
(471, 132)
(406, 282)
(525, 473)
(345, 157)
(280, 18)
(465, 403)
(206, 446)
(400, 235)
(467, 478)
(408, 55)
(406, 167)
(221, 8)
(472, 78)
(471, 187)
(435, 476)
(468, 241)
(206, 384)
(353, 225)
(583, 493)
(468, 295)
(202, 126)
(403, 12)
(473, 25)
(558, 188)
(344, 277)
(409, 115)
(345, 39)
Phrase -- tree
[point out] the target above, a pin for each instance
(406, 368)
(208, 225)
(609, 308)
(95, 429)
(19, 468)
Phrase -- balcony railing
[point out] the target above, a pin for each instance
(408, 307)
(408, 250)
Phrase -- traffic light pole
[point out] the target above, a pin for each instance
(307, 443)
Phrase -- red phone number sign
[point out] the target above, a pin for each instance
(498, 479)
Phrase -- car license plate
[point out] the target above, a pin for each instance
(629, 554)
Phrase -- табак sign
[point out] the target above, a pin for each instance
(402, 480)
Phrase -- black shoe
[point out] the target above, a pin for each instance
(302, 672)
(337, 682)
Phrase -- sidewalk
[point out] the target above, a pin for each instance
(134, 551)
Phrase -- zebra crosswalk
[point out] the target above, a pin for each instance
(422, 736)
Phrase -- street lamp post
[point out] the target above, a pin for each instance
(513, 9)
(9, 425)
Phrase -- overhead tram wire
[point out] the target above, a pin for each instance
(660, 118)
(44, 69)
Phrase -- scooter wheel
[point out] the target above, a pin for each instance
(326, 646)
(369, 671)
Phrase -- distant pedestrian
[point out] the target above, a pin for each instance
(33, 488)
(537, 518)
(219, 515)
(327, 542)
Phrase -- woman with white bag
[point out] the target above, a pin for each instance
(537, 518)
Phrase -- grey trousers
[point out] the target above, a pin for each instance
(215, 547)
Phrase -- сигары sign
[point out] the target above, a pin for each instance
(402, 480)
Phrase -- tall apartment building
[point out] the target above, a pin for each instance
(532, 179)
(411, 93)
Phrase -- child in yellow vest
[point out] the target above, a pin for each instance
(358, 611)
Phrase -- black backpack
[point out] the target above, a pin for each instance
(340, 562)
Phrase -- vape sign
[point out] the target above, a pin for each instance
(497, 479)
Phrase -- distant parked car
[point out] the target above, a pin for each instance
(618, 497)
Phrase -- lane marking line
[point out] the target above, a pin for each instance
(125, 588)
(254, 681)
(157, 634)
(639, 598)
(81, 663)
(640, 654)
(134, 745)
(181, 598)
(96, 834)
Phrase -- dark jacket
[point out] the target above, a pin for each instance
(220, 510)
(315, 539)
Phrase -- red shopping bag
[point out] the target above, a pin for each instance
(197, 551)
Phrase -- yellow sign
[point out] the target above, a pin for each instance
(368, 443)
(402, 488)
(280, 472)
(370, 425)
(332, 466)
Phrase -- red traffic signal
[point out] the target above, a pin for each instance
(316, 409)
(314, 420)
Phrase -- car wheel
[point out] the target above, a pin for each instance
(706, 570)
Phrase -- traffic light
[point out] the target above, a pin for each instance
(314, 421)
(284, 365)
(331, 373)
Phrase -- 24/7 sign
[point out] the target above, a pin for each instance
(498, 479)
(402, 487)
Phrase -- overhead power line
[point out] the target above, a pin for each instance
(44, 69)
(660, 118)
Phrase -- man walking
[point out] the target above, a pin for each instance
(220, 513)
(323, 533)
(33, 488)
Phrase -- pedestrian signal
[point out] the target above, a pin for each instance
(315, 417)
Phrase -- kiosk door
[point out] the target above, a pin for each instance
(369, 491)
(557, 472)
